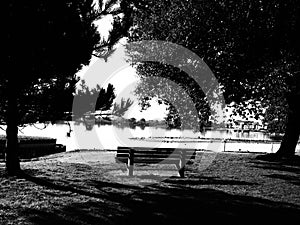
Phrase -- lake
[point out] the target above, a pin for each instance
(110, 136)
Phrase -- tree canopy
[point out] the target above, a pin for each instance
(251, 46)
(48, 43)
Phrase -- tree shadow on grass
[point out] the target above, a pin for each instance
(274, 158)
(174, 201)
(294, 179)
(284, 169)
(276, 166)
(197, 180)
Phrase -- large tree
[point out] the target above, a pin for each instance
(48, 42)
(252, 47)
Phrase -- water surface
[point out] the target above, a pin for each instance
(110, 136)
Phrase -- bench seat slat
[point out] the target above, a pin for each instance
(149, 150)
(122, 155)
(147, 157)
(137, 155)
(156, 161)
(155, 155)
(150, 160)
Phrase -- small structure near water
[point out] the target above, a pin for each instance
(33, 147)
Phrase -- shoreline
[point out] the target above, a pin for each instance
(90, 153)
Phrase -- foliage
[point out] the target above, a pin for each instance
(121, 12)
(53, 95)
(48, 42)
(58, 38)
(121, 108)
(93, 99)
(173, 119)
(180, 106)
(251, 46)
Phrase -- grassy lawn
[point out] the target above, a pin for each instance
(71, 188)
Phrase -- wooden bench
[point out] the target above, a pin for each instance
(132, 155)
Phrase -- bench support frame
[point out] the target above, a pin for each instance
(180, 165)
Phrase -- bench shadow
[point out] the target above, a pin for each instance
(174, 201)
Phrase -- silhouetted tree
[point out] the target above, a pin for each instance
(172, 118)
(251, 46)
(92, 99)
(105, 98)
(121, 108)
(47, 43)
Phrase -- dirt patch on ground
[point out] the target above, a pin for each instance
(91, 188)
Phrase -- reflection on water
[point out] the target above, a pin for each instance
(110, 136)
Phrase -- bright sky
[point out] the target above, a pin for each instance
(119, 73)
(123, 77)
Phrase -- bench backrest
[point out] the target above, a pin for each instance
(154, 155)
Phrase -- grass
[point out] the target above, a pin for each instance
(79, 188)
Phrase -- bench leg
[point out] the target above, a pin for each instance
(181, 172)
(130, 163)
(180, 169)
(181, 165)
(130, 170)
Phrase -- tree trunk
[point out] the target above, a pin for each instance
(292, 132)
(11, 154)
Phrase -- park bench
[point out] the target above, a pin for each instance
(133, 155)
